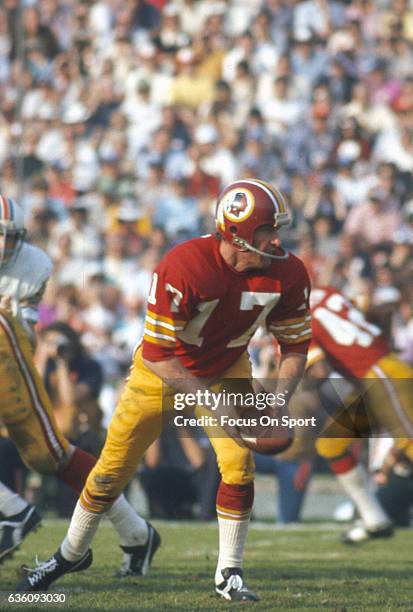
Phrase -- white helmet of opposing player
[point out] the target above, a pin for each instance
(12, 230)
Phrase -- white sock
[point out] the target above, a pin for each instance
(10, 502)
(132, 528)
(358, 485)
(232, 537)
(80, 534)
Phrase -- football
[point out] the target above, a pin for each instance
(267, 446)
(262, 431)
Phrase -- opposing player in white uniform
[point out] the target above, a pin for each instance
(25, 408)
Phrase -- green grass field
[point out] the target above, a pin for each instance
(305, 568)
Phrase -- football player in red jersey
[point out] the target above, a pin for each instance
(207, 298)
(345, 342)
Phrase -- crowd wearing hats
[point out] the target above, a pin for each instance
(121, 121)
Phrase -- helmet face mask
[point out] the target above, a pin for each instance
(12, 230)
(245, 206)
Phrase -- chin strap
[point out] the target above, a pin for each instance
(240, 242)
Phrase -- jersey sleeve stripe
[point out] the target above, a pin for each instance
(159, 323)
(158, 342)
(290, 329)
(169, 320)
(295, 339)
(152, 334)
(292, 333)
(159, 331)
(292, 323)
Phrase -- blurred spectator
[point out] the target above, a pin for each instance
(308, 63)
(84, 239)
(188, 87)
(146, 16)
(13, 472)
(37, 38)
(281, 110)
(392, 471)
(313, 17)
(309, 149)
(216, 158)
(376, 220)
(177, 213)
(292, 477)
(180, 472)
(257, 160)
(324, 203)
(73, 381)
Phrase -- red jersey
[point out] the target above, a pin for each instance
(204, 312)
(351, 344)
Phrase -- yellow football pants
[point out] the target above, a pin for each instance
(25, 408)
(137, 422)
(387, 402)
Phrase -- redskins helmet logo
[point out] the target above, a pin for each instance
(236, 205)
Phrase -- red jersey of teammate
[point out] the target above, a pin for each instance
(204, 312)
(351, 344)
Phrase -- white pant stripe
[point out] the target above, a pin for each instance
(37, 404)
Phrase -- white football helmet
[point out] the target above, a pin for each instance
(12, 230)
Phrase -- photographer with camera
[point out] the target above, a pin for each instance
(73, 381)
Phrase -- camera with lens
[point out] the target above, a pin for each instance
(64, 349)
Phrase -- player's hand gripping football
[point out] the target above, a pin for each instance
(259, 430)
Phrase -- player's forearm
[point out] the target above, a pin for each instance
(174, 374)
(290, 372)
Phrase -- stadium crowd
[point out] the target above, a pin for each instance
(121, 121)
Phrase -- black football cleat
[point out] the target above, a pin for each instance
(137, 559)
(13, 530)
(46, 572)
(358, 534)
(233, 588)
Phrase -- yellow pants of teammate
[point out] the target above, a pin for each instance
(137, 422)
(25, 408)
(386, 403)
